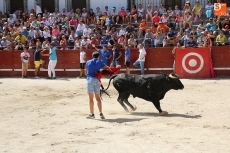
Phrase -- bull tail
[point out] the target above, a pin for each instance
(110, 81)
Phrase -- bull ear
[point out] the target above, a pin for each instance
(168, 78)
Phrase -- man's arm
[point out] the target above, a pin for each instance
(119, 55)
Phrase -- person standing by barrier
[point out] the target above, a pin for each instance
(127, 59)
(140, 62)
(93, 84)
(116, 56)
(105, 55)
(82, 62)
(38, 62)
(25, 58)
(53, 61)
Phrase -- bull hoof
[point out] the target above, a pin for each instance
(134, 108)
(164, 113)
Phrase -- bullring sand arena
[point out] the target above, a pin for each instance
(45, 116)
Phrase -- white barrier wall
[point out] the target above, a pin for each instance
(2, 4)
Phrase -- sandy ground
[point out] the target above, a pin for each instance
(46, 116)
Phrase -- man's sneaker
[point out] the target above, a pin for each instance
(48, 78)
(36, 77)
(25, 76)
(102, 116)
(54, 78)
(91, 116)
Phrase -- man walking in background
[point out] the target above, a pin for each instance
(140, 62)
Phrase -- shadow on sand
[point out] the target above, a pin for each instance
(122, 120)
(169, 115)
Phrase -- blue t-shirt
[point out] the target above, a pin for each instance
(93, 66)
(192, 44)
(171, 35)
(116, 54)
(104, 54)
(127, 54)
(104, 43)
(53, 55)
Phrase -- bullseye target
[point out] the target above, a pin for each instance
(192, 62)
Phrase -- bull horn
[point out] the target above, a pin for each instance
(173, 77)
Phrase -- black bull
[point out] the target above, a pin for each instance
(149, 87)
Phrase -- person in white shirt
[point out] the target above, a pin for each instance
(82, 63)
(114, 15)
(25, 58)
(85, 42)
(46, 33)
(31, 32)
(11, 20)
(80, 28)
(38, 9)
(55, 13)
(122, 31)
(87, 31)
(51, 19)
(140, 11)
(141, 59)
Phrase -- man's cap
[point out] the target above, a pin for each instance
(114, 8)
(122, 8)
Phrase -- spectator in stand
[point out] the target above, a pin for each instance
(170, 11)
(163, 27)
(221, 39)
(85, 42)
(105, 55)
(142, 28)
(114, 15)
(187, 20)
(94, 42)
(171, 38)
(8, 47)
(77, 43)
(116, 56)
(11, 20)
(130, 30)
(55, 13)
(71, 40)
(63, 43)
(71, 14)
(179, 20)
(38, 34)
(197, 10)
(19, 45)
(186, 37)
(140, 11)
(209, 9)
(112, 41)
(91, 17)
(104, 42)
(133, 14)
(156, 18)
(201, 27)
(162, 10)
(80, 28)
(46, 13)
(141, 59)
(122, 15)
(121, 41)
(25, 59)
(211, 25)
(127, 59)
(55, 43)
(35, 23)
(204, 40)
(98, 14)
(73, 23)
(55, 31)
(156, 9)
(158, 38)
(149, 38)
(25, 32)
(82, 63)
(149, 13)
(172, 21)
(84, 15)
(22, 38)
(187, 8)
(107, 11)
(78, 14)
(45, 44)
(132, 42)
(46, 33)
(177, 10)
(127, 16)
(102, 19)
(191, 42)
(122, 31)
(226, 26)
(87, 31)
(153, 28)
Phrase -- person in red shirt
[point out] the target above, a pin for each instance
(122, 14)
(156, 18)
(73, 23)
(94, 42)
(133, 14)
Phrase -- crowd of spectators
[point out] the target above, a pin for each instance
(156, 26)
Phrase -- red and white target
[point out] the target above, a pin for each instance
(193, 62)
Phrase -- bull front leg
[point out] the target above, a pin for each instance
(123, 105)
(130, 105)
(156, 103)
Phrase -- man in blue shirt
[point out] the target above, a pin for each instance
(93, 84)
(105, 55)
(127, 59)
(103, 41)
(116, 56)
(53, 61)
(191, 43)
(149, 38)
